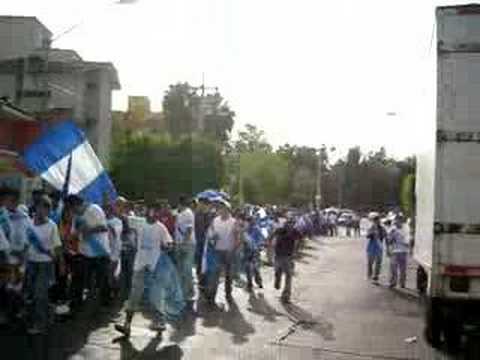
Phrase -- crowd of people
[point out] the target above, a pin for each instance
(59, 254)
(62, 253)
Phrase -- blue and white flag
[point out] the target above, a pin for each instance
(165, 292)
(63, 156)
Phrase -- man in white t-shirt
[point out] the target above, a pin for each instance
(115, 229)
(90, 225)
(43, 250)
(185, 247)
(398, 249)
(224, 233)
(332, 224)
(153, 236)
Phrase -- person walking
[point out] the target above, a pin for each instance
(203, 219)
(253, 242)
(43, 251)
(115, 229)
(356, 225)
(278, 223)
(224, 235)
(90, 225)
(286, 238)
(153, 237)
(332, 224)
(376, 236)
(185, 247)
(398, 248)
(128, 250)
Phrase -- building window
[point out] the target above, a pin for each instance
(92, 86)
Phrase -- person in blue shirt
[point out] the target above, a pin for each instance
(376, 236)
(253, 240)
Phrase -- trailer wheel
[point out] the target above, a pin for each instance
(422, 280)
(453, 335)
(472, 348)
(433, 325)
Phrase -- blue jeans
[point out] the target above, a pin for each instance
(374, 265)
(225, 259)
(139, 280)
(252, 266)
(185, 256)
(38, 280)
(398, 268)
(238, 265)
(284, 265)
(126, 275)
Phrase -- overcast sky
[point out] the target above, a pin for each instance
(307, 72)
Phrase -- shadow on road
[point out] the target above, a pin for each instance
(307, 321)
(64, 338)
(259, 305)
(234, 322)
(230, 319)
(128, 351)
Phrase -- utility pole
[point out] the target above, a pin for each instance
(341, 176)
(318, 196)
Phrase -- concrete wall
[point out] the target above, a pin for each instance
(88, 94)
(7, 85)
(98, 103)
(19, 36)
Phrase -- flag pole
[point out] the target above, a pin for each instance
(66, 184)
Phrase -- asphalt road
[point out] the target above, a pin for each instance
(335, 314)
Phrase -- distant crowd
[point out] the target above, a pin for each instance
(59, 254)
(56, 255)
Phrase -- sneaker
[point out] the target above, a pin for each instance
(212, 306)
(62, 310)
(260, 286)
(277, 285)
(35, 330)
(123, 329)
(285, 300)
(229, 297)
(157, 326)
(249, 288)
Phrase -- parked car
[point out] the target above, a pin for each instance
(345, 218)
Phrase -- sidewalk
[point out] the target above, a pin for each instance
(335, 314)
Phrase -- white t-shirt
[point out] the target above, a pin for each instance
(48, 238)
(97, 244)
(399, 241)
(332, 219)
(185, 220)
(223, 231)
(115, 228)
(152, 237)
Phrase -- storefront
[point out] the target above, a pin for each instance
(17, 130)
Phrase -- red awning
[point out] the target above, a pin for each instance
(10, 163)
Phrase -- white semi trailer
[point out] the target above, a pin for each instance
(447, 231)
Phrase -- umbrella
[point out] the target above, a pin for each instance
(212, 195)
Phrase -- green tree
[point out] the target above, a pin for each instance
(188, 112)
(157, 166)
(264, 177)
(219, 123)
(177, 109)
(251, 139)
